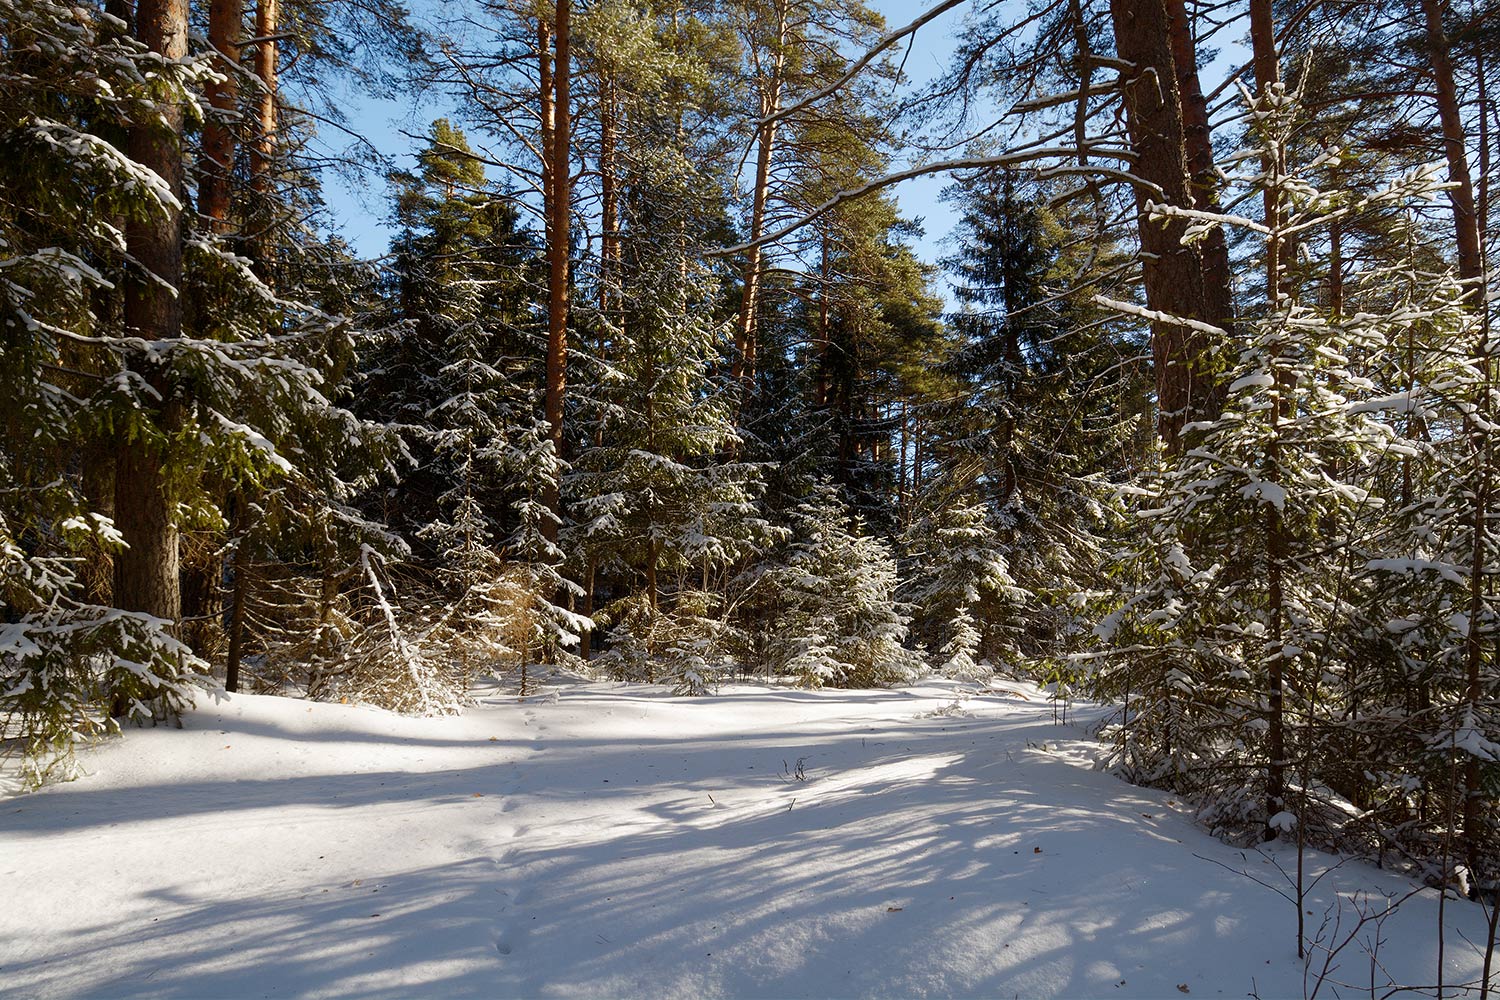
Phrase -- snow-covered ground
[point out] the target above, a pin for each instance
(611, 840)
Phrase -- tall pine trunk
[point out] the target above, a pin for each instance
(1173, 273)
(146, 571)
(216, 165)
(745, 332)
(1471, 272)
(559, 213)
(263, 150)
(1461, 195)
(1198, 138)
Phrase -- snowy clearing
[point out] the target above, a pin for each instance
(611, 840)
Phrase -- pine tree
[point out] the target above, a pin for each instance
(1037, 415)
(827, 597)
(959, 584)
(464, 370)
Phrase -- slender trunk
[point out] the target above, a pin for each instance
(1474, 832)
(1482, 208)
(1336, 269)
(652, 558)
(610, 194)
(1267, 73)
(146, 571)
(916, 457)
(586, 636)
(1276, 541)
(239, 595)
(557, 255)
(903, 503)
(1461, 195)
(217, 162)
(824, 375)
(263, 150)
(1276, 668)
(99, 492)
(745, 333)
(1489, 947)
(1173, 272)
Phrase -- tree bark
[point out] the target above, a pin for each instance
(1471, 272)
(1198, 137)
(217, 162)
(557, 257)
(1173, 273)
(239, 595)
(743, 368)
(263, 150)
(1461, 195)
(146, 571)
(1267, 67)
(263, 153)
(609, 190)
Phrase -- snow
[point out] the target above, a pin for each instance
(1284, 821)
(610, 840)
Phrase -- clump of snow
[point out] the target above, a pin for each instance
(1283, 821)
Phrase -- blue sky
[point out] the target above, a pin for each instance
(360, 205)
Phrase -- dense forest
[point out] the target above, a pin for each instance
(653, 385)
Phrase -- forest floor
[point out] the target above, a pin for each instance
(611, 840)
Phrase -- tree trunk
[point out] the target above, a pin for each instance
(903, 499)
(217, 162)
(1267, 73)
(239, 595)
(824, 374)
(1471, 271)
(557, 257)
(609, 223)
(267, 19)
(652, 558)
(1217, 279)
(1483, 207)
(586, 636)
(146, 577)
(745, 333)
(1461, 195)
(1473, 812)
(1173, 273)
(263, 150)
(99, 492)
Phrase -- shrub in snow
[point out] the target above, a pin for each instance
(393, 657)
(686, 646)
(826, 601)
(958, 585)
(69, 668)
